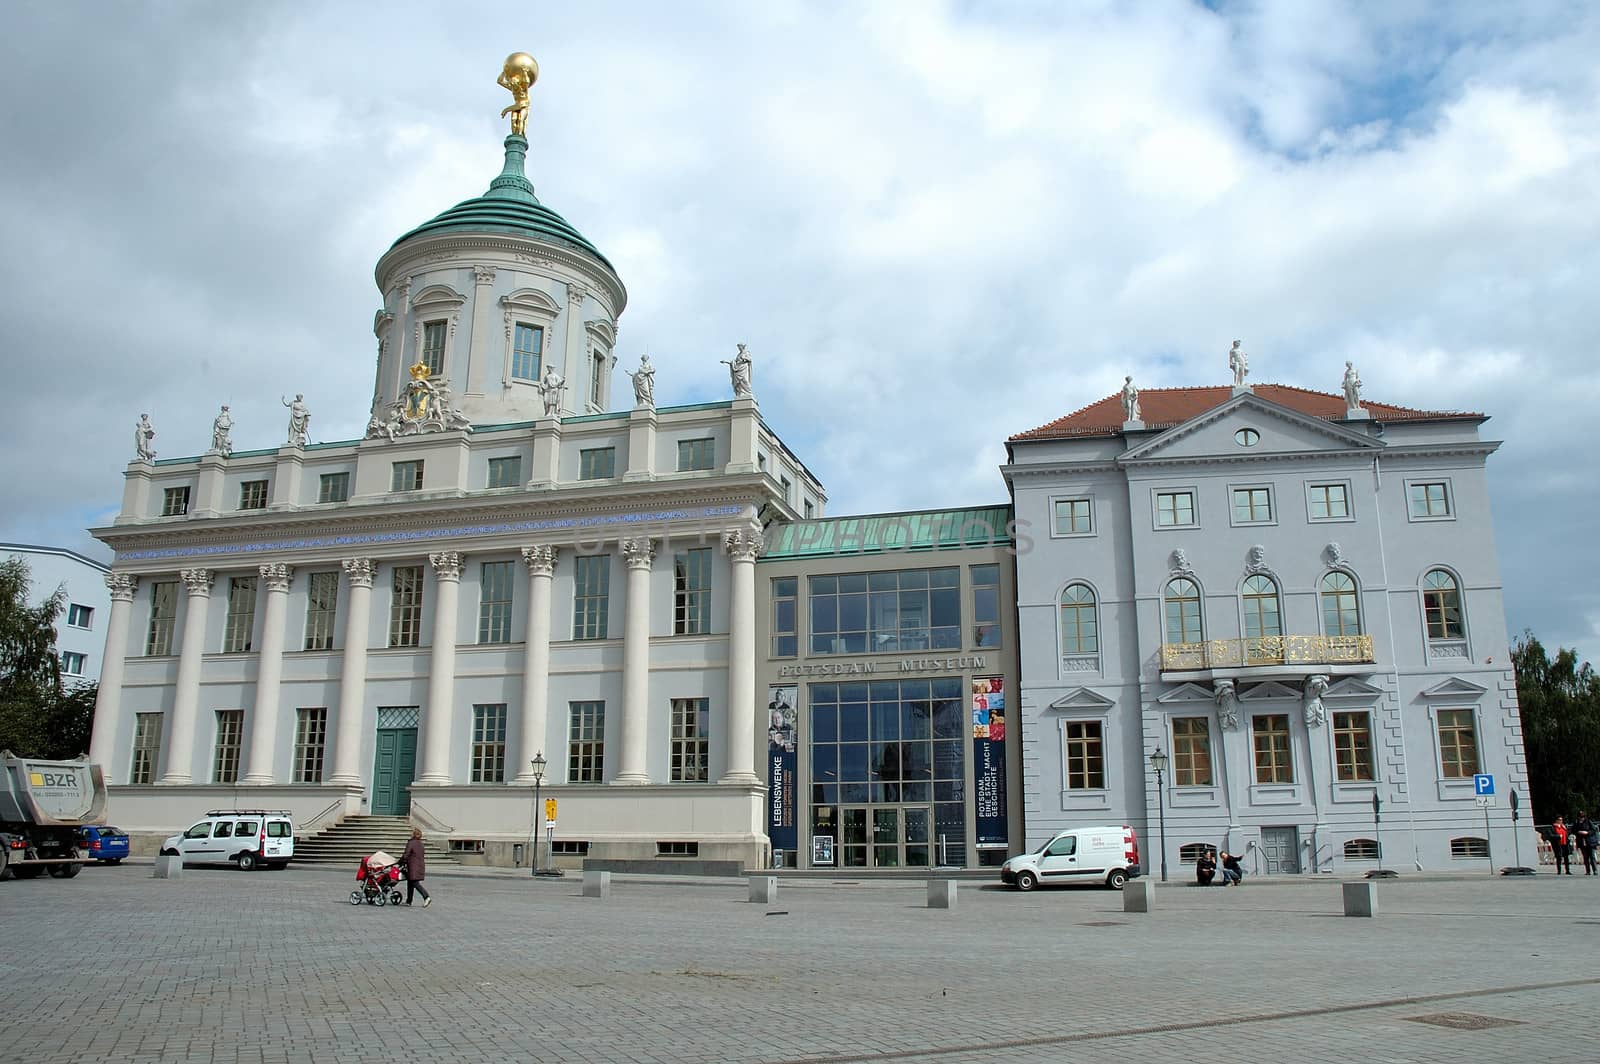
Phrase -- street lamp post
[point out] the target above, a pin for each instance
(538, 809)
(1158, 762)
(1377, 829)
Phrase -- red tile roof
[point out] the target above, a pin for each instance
(1165, 407)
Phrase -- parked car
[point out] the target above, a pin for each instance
(104, 842)
(1099, 855)
(249, 838)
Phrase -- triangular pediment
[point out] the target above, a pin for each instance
(1189, 692)
(1280, 431)
(1269, 691)
(1351, 687)
(1454, 687)
(1082, 698)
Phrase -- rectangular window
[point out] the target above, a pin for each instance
(163, 614)
(691, 740)
(489, 743)
(785, 616)
(505, 472)
(433, 347)
(1174, 509)
(586, 742)
(230, 734)
(691, 592)
(696, 454)
(405, 607)
(146, 747)
(1329, 502)
(1086, 764)
(310, 743)
(1252, 506)
(591, 598)
(253, 495)
(175, 502)
(238, 628)
(677, 849)
(597, 381)
(985, 605)
(1429, 500)
(333, 487)
(322, 604)
(527, 345)
(494, 602)
(72, 663)
(597, 463)
(1191, 752)
(407, 476)
(1458, 744)
(80, 616)
(787, 484)
(1073, 517)
(810, 510)
(1272, 749)
(1352, 747)
(912, 609)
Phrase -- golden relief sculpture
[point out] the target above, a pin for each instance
(518, 75)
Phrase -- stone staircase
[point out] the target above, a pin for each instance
(354, 837)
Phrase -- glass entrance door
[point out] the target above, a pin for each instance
(886, 836)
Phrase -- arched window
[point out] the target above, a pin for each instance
(1079, 634)
(1361, 850)
(1191, 852)
(1441, 603)
(1469, 846)
(1341, 609)
(1261, 614)
(1183, 611)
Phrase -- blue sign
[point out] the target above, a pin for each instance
(1482, 784)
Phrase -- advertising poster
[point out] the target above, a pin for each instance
(989, 758)
(781, 717)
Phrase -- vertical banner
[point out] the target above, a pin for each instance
(781, 716)
(989, 759)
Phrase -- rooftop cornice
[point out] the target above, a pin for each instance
(431, 248)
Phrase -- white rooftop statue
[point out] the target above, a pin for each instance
(739, 371)
(1352, 389)
(644, 383)
(1239, 362)
(221, 426)
(1130, 400)
(143, 433)
(299, 420)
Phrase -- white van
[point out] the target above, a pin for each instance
(249, 838)
(1108, 855)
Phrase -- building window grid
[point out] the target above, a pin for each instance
(1329, 502)
(586, 742)
(1174, 509)
(310, 744)
(230, 736)
(1086, 766)
(1361, 850)
(489, 743)
(1352, 747)
(1079, 627)
(1271, 738)
(785, 616)
(1429, 499)
(79, 616)
(1191, 752)
(1458, 744)
(333, 487)
(322, 604)
(591, 600)
(505, 472)
(1183, 613)
(1341, 606)
(494, 603)
(405, 607)
(433, 334)
(526, 350)
(146, 747)
(986, 630)
(1074, 517)
(691, 599)
(1262, 616)
(1252, 506)
(1441, 602)
(163, 617)
(253, 495)
(697, 455)
(906, 609)
(406, 476)
(238, 629)
(72, 663)
(691, 740)
(597, 463)
(174, 502)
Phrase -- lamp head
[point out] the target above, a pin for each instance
(1158, 761)
(538, 765)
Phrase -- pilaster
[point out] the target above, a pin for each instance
(207, 500)
(476, 380)
(136, 491)
(546, 453)
(286, 478)
(641, 444)
(743, 430)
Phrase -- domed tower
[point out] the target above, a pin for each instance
(495, 293)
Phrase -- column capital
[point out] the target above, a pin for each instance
(198, 581)
(360, 571)
(639, 553)
(446, 564)
(576, 294)
(122, 586)
(276, 576)
(540, 559)
(483, 274)
(743, 545)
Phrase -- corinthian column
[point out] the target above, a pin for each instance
(441, 671)
(109, 700)
(638, 555)
(353, 673)
(541, 561)
(742, 547)
(186, 697)
(269, 676)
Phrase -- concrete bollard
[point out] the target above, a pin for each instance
(169, 867)
(941, 894)
(764, 889)
(596, 884)
(1138, 896)
(1360, 899)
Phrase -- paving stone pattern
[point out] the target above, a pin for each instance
(277, 968)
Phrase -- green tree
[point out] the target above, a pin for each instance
(39, 715)
(1560, 701)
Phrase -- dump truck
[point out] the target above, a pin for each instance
(43, 804)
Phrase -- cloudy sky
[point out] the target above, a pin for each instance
(934, 224)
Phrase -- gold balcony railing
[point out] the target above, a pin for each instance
(1267, 650)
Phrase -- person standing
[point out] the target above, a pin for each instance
(416, 862)
(1561, 843)
(1585, 835)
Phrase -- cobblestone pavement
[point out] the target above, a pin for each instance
(277, 967)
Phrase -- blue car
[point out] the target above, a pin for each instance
(104, 843)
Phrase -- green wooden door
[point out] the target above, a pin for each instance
(393, 771)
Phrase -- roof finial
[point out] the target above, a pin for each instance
(518, 75)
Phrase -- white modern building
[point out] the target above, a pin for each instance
(1294, 596)
(80, 638)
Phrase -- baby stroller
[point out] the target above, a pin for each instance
(379, 876)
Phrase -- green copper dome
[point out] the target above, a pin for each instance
(508, 207)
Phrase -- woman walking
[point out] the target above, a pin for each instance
(416, 865)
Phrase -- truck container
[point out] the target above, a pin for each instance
(43, 806)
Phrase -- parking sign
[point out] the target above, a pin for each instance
(1482, 784)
